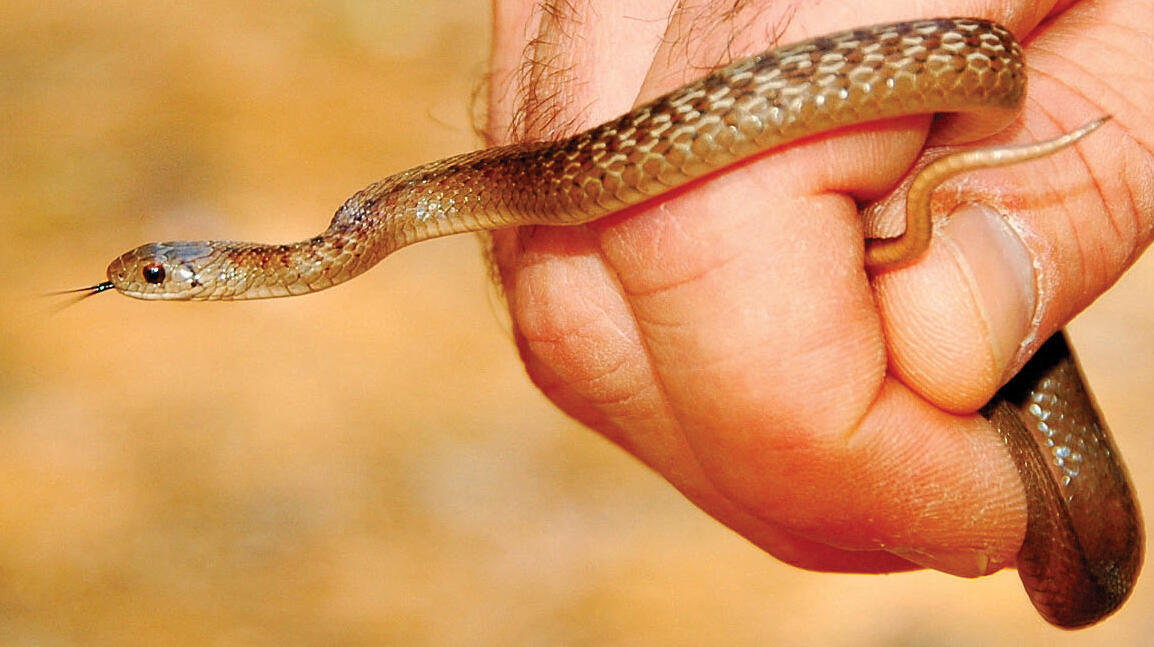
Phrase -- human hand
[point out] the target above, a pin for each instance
(729, 336)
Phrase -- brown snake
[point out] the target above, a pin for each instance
(1084, 540)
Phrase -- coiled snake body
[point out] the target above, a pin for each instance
(1084, 540)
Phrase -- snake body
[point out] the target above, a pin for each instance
(1084, 539)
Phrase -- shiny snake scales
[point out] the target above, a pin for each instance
(1084, 541)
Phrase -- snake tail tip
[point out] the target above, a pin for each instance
(1091, 126)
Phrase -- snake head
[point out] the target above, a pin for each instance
(170, 271)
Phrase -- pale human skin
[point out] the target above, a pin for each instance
(729, 337)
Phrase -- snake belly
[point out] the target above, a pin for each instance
(1084, 541)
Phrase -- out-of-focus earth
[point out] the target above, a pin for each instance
(370, 465)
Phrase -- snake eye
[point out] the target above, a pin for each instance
(153, 273)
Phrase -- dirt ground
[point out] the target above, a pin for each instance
(370, 465)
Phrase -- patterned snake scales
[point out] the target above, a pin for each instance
(1084, 541)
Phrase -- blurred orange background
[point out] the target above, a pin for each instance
(369, 465)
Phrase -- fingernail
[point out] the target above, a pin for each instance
(968, 564)
(1001, 275)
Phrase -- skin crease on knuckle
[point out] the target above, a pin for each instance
(918, 493)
